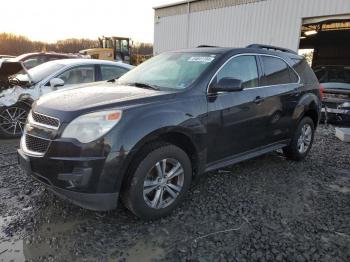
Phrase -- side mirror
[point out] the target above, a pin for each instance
(228, 85)
(56, 82)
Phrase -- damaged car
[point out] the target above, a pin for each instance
(336, 98)
(19, 87)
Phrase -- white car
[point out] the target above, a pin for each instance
(19, 88)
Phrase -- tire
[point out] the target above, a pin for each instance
(295, 151)
(12, 120)
(145, 176)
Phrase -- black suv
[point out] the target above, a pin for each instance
(145, 136)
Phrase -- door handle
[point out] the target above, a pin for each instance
(258, 100)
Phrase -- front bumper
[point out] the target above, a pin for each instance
(91, 183)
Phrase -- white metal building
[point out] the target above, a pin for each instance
(237, 23)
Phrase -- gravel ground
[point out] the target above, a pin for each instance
(265, 209)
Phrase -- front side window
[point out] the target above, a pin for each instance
(170, 70)
(277, 71)
(78, 75)
(112, 72)
(243, 68)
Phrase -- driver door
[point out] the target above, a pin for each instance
(236, 120)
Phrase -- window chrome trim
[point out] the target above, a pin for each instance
(257, 87)
(34, 123)
(30, 152)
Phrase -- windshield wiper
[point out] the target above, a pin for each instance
(144, 85)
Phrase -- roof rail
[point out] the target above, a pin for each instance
(270, 47)
(206, 46)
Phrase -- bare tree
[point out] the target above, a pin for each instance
(11, 44)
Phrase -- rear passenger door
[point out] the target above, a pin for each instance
(281, 93)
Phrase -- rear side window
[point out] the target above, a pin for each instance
(243, 68)
(277, 71)
(304, 71)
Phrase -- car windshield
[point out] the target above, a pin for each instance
(169, 70)
(42, 71)
(333, 75)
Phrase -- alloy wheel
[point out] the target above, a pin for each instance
(304, 140)
(163, 183)
(12, 120)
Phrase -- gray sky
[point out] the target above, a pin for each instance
(42, 20)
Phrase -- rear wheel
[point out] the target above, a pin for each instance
(12, 120)
(302, 140)
(161, 177)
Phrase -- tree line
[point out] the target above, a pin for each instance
(11, 44)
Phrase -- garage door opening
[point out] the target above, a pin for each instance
(325, 41)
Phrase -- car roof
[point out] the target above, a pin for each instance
(87, 61)
(26, 55)
(235, 50)
(213, 50)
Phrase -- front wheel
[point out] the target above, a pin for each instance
(159, 182)
(12, 120)
(302, 140)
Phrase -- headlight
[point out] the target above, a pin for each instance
(89, 127)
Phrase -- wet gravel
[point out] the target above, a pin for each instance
(265, 209)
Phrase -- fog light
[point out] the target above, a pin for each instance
(80, 177)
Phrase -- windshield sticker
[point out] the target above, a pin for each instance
(201, 59)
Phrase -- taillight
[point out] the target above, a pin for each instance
(321, 92)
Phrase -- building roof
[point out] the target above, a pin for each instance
(174, 4)
(182, 7)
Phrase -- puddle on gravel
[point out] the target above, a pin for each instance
(23, 249)
(19, 250)
(12, 251)
(4, 221)
(341, 189)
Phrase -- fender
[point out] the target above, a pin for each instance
(17, 94)
(307, 102)
(136, 131)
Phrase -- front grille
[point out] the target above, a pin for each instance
(45, 120)
(36, 144)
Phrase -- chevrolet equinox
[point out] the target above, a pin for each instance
(145, 136)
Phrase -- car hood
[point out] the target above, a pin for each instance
(9, 68)
(94, 96)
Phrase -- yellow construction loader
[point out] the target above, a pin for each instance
(111, 48)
